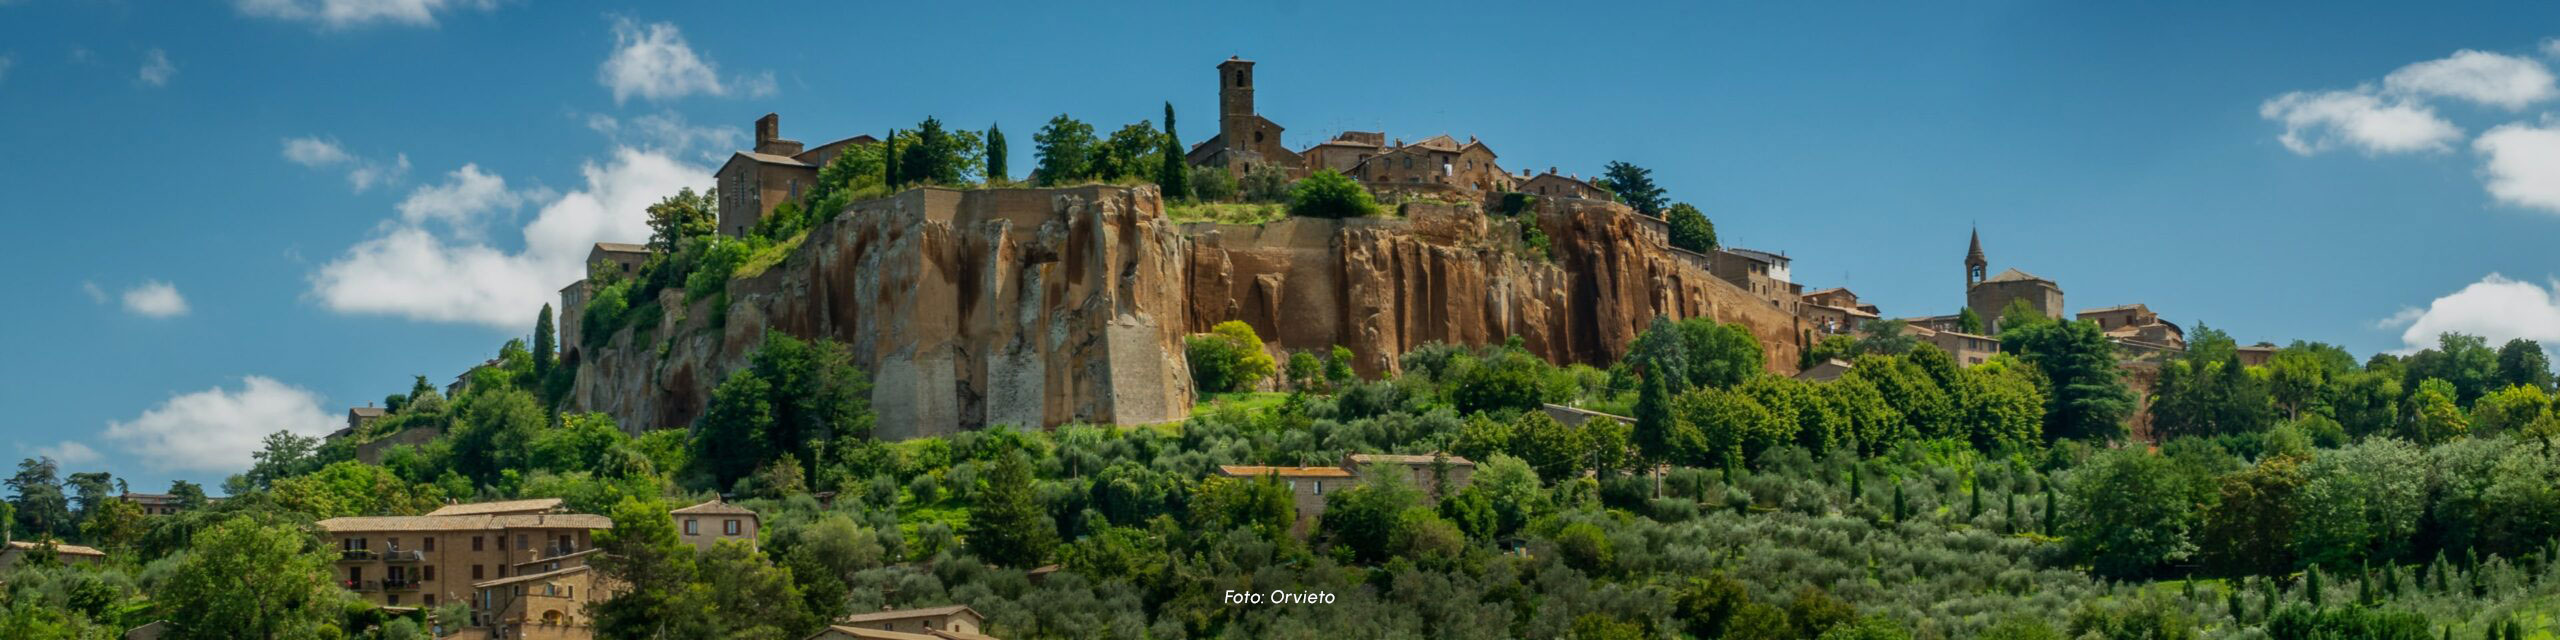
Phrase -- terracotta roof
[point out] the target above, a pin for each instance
(1247, 471)
(874, 634)
(502, 506)
(2012, 274)
(714, 507)
(466, 523)
(1579, 415)
(1366, 458)
(768, 158)
(61, 548)
(1440, 142)
(581, 553)
(1817, 292)
(1846, 311)
(369, 412)
(622, 247)
(2121, 307)
(903, 614)
(1755, 255)
(530, 577)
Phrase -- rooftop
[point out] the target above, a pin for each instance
(903, 614)
(532, 505)
(368, 412)
(876, 634)
(714, 507)
(1367, 458)
(1247, 471)
(2012, 274)
(530, 577)
(621, 247)
(2121, 307)
(61, 548)
(466, 523)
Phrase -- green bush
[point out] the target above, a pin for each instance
(1329, 194)
(1227, 358)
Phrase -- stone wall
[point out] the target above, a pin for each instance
(1038, 307)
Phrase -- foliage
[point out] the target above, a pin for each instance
(2086, 399)
(794, 398)
(244, 579)
(1329, 194)
(1006, 526)
(996, 169)
(1633, 185)
(1211, 183)
(1690, 228)
(1265, 182)
(1230, 357)
(2126, 514)
(680, 217)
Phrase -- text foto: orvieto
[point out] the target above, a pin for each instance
(1279, 596)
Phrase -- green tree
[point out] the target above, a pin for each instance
(1212, 183)
(2087, 398)
(996, 169)
(1509, 381)
(43, 510)
(686, 214)
(350, 488)
(753, 598)
(495, 430)
(2465, 361)
(793, 397)
(1230, 357)
(243, 579)
(2128, 513)
(2509, 409)
(1969, 322)
(282, 453)
(657, 573)
(546, 345)
(1007, 527)
(2521, 362)
(2362, 501)
(1633, 185)
(1329, 194)
(1305, 372)
(2434, 415)
(1174, 175)
(1551, 449)
(1337, 367)
(1885, 337)
(2248, 530)
(891, 175)
(1690, 229)
(1363, 519)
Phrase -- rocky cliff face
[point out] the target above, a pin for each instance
(1046, 306)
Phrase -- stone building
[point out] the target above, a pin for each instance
(2257, 355)
(1437, 160)
(2136, 330)
(1967, 349)
(1245, 138)
(621, 256)
(778, 170)
(1306, 487)
(1989, 296)
(17, 551)
(1436, 475)
(1759, 272)
(1555, 185)
(445, 555)
(1835, 311)
(703, 524)
(548, 605)
(155, 504)
(1345, 151)
(952, 622)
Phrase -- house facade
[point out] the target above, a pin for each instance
(437, 558)
(710, 522)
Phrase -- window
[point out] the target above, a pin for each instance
(475, 544)
(730, 527)
(1319, 487)
(427, 574)
(430, 543)
(431, 600)
(354, 575)
(392, 599)
(523, 542)
(502, 571)
(392, 544)
(692, 528)
(475, 572)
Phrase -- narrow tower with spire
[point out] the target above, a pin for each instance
(1976, 269)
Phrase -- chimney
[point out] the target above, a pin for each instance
(768, 129)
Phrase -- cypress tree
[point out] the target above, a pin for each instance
(1976, 489)
(889, 174)
(545, 342)
(2231, 598)
(1007, 526)
(2267, 606)
(1857, 484)
(2049, 511)
(1901, 506)
(2009, 519)
(995, 155)
(2364, 586)
(2311, 586)
(1174, 176)
(1653, 427)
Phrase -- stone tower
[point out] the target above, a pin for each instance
(1235, 112)
(1976, 269)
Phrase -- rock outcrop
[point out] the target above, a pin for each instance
(1047, 306)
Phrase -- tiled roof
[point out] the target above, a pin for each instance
(466, 523)
(768, 158)
(876, 634)
(714, 507)
(2012, 274)
(61, 548)
(1366, 458)
(1576, 415)
(1247, 471)
(581, 553)
(1440, 142)
(622, 247)
(2121, 307)
(502, 506)
(530, 577)
(369, 412)
(903, 614)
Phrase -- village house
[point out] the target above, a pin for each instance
(63, 554)
(1436, 475)
(1835, 311)
(2136, 330)
(704, 524)
(549, 605)
(776, 171)
(441, 557)
(1555, 185)
(1575, 416)
(952, 622)
(155, 504)
(620, 256)
(1827, 370)
(1762, 273)
(1306, 487)
(2257, 355)
(1967, 349)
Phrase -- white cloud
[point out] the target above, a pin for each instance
(216, 430)
(2478, 76)
(5, 61)
(96, 294)
(654, 62)
(315, 152)
(342, 14)
(669, 133)
(2315, 122)
(69, 453)
(362, 173)
(410, 271)
(2495, 308)
(155, 299)
(466, 196)
(2521, 164)
(156, 68)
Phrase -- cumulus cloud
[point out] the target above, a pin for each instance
(155, 299)
(669, 133)
(96, 294)
(653, 61)
(216, 429)
(466, 196)
(2487, 78)
(2496, 308)
(2521, 164)
(344, 14)
(156, 68)
(362, 173)
(69, 453)
(410, 270)
(2315, 122)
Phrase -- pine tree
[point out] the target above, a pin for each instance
(545, 344)
(996, 171)
(889, 174)
(1007, 527)
(1175, 174)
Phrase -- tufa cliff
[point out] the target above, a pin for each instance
(1047, 306)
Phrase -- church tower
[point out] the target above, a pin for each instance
(1976, 269)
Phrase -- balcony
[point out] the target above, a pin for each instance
(404, 555)
(555, 551)
(358, 555)
(379, 585)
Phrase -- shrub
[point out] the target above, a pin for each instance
(1265, 183)
(1229, 357)
(1329, 194)
(1212, 184)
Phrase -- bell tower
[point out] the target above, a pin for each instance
(1975, 267)
(1235, 88)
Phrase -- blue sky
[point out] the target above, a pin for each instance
(234, 218)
